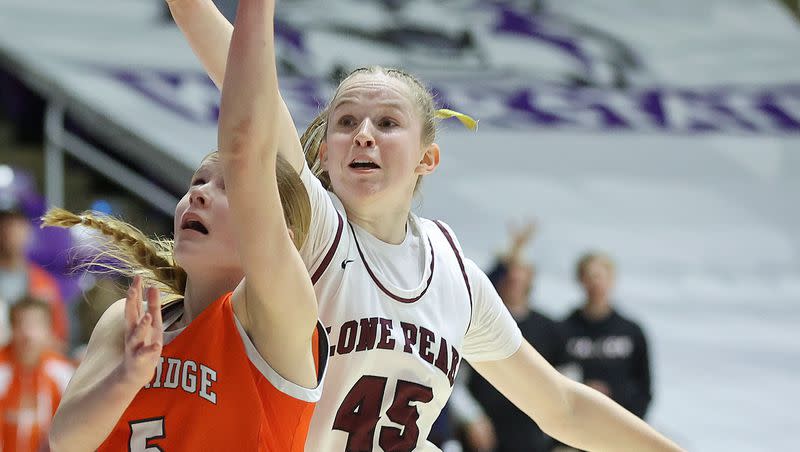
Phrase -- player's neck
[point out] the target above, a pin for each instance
(202, 292)
(385, 222)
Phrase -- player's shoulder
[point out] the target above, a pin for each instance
(112, 319)
(439, 229)
(435, 223)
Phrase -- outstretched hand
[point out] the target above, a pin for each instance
(143, 334)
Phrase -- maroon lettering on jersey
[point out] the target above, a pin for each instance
(410, 334)
(332, 346)
(347, 337)
(451, 375)
(442, 358)
(387, 342)
(368, 334)
(426, 338)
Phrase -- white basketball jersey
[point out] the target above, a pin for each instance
(394, 351)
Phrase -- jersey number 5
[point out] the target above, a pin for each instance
(361, 409)
(143, 431)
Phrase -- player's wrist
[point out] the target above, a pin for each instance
(129, 377)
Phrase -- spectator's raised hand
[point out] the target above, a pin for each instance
(520, 235)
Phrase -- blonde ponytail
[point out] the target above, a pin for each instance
(137, 254)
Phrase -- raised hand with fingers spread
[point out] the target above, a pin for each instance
(144, 335)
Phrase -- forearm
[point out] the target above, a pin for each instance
(596, 423)
(250, 107)
(84, 420)
(254, 119)
(208, 32)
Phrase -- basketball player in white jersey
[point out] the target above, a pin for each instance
(402, 305)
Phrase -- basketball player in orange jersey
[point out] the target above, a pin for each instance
(236, 363)
(402, 303)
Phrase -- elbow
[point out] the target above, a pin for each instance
(62, 436)
(56, 438)
(242, 141)
(562, 418)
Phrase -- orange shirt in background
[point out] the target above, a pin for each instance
(28, 400)
(43, 286)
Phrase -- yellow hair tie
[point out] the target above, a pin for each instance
(467, 120)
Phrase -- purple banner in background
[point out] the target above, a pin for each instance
(508, 65)
(515, 105)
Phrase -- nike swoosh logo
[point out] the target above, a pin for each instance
(345, 262)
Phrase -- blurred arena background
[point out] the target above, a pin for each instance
(665, 133)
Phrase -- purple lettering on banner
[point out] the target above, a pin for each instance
(521, 101)
(293, 37)
(532, 26)
(711, 112)
(650, 103)
(519, 105)
(191, 95)
(778, 108)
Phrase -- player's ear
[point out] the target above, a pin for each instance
(323, 155)
(429, 160)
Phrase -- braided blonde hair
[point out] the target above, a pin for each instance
(138, 254)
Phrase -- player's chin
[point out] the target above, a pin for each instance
(367, 191)
(186, 252)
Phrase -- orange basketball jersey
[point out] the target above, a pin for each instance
(212, 391)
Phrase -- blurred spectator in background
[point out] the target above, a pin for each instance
(32, 378)
(513, 278)
(19, 276)
(609, 349)
(463, 420)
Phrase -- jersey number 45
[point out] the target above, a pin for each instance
(361, 409)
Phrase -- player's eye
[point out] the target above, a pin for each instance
(347, 121)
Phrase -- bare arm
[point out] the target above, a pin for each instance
(121, 357)
(276, 305)
(209, 34)
(569, 411)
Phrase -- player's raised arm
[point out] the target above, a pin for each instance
(209, 34)
(279, 310)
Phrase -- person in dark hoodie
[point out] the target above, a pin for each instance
(609, 349)
(513, 277)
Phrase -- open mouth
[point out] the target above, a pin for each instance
(195, 225)
(363, 164)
